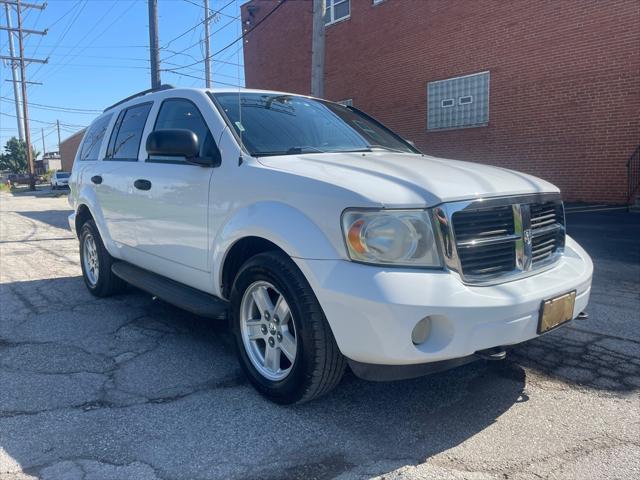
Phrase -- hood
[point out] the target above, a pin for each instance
(409, 180)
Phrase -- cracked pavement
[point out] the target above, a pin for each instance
(132, 388)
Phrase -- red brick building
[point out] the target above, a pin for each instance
(68, 149)
(550, 88)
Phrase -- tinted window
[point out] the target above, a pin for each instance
(273, 124)
(125, 139)
(179, 113)
(93, 138)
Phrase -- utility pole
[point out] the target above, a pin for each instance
(23, 80)
(44, 149)
(59, 141)
(14, 73)
(25, 105)
(154, 53)
(207, 60)
(317, 49)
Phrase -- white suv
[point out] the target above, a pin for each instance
(59, 180)
(325, 238)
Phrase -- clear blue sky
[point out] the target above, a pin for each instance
(98, 54)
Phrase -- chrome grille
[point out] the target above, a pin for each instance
(492, 239)
(547, 238)
(476, 231)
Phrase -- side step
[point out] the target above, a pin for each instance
(170, 291)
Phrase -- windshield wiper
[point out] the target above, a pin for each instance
(384, 147)
(300, 150)
(290, 151)
(294, 150)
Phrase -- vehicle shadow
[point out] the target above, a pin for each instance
(129, 379)
(54, 218)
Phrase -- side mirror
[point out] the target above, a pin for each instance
(180, 143)
(173, 143)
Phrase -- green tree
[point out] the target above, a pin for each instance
(14, 157)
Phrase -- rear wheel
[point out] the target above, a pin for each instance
(284, 342)
(96, 263)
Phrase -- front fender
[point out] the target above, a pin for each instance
(285, 226)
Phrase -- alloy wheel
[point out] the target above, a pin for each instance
(90, 260)
(268, 331)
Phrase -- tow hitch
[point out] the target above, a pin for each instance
(493, 354)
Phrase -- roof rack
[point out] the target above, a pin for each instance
(140, 94)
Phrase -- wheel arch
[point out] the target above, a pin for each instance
(266, 226)
(83, 213)
(86, 210)
(239, 252)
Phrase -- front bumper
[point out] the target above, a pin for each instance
(373, 310)
(72, 222)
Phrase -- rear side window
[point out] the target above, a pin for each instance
(93, 138)
(127, 132)
(180, 113)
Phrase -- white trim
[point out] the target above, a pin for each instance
(460, 76)
(340, 20)
(330, 6)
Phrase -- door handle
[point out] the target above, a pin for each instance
(97, 179)
(142, 184)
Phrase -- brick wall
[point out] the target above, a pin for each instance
(68, 149)
(565, 78)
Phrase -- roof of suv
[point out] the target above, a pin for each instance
(151, 93)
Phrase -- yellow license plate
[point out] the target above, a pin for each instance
(556, 311)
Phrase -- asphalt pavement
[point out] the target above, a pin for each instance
(132, 388)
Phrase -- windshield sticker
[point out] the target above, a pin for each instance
(240, 127)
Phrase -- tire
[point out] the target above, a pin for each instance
(100, 281)
(318, 365)
(53, 187)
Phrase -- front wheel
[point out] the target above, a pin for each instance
(284, 341)
(96, 263)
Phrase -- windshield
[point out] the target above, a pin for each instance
(62, 175)
(272, 124)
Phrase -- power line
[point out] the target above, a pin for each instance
(72, 55)
(207, 17)
(60, 109)
(64, 34)
(43, 122)
(234, 41)
(200, 6)
(199, 42)
(41, 36)
(98, 46)
(202, 78)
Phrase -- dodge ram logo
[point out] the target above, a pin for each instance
(526, 236)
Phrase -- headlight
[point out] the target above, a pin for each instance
(394, 237)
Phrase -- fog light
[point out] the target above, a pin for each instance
(421, 331)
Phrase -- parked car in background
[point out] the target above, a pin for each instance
(15, 179)
(60, 180)
(327, 238)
